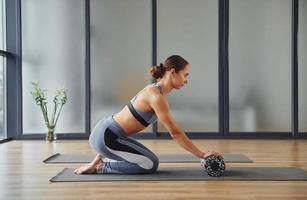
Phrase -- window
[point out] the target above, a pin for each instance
(190, 29)
(120, 54)
(260, 65)
(53, 52)
(2, 72)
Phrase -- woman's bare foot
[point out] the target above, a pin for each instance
(91, 167)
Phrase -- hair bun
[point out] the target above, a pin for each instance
(157, 71)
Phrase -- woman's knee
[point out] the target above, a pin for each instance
(155, 165)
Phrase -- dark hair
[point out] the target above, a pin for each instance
(174, 61)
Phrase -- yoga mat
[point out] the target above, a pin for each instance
(192, 174)
(163, 158)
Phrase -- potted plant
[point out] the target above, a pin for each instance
(59, 100)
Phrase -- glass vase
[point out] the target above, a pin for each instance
(50, 135)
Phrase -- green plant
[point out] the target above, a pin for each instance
(59, 100)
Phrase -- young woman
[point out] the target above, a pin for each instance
(119, 153)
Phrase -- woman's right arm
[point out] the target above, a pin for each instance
(161, 108)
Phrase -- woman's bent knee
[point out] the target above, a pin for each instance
(155, 166)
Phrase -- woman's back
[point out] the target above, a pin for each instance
(141, 103)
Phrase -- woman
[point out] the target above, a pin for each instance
(119, 153)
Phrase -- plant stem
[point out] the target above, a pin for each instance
(53, 114)
(58, 115)
(44, 114)
(45, 105)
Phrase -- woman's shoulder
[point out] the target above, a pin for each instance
(154, 96)
(153, 90)
(150, 93)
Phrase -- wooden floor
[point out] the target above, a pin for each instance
(23, 175)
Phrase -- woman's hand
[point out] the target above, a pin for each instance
(209, 153)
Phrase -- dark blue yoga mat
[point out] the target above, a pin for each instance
(192, 174)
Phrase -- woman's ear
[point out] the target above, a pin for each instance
(173, 71)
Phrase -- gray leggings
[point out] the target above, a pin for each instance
(124, 155)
